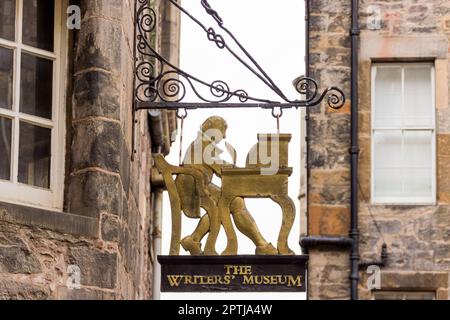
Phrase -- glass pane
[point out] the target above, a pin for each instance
(7, 19)
(34, 155)
(388, 164)
(6, 77)
(38, 23)
(388, 97)
(36, 86)
(388, 149)
(418, 96)
(418, 163)
(418, 148)
(418, 182)
(5, 148)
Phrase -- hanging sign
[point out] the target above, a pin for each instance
(233, 274)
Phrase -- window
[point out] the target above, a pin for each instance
(31, 102)
(403, 134)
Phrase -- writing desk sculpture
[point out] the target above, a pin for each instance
(260, 180)
(265, 176)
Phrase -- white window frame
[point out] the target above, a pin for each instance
(410, 200)
(13, 191)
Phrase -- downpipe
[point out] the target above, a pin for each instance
(156, 236)
(354, 153)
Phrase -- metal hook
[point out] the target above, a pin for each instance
(180, 159)
(275, 114)
(183, 115)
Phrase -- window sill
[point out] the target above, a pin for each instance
(404, 204)
(52, 220)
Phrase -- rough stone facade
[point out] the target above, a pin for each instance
(417, 236)
(328, 208)
(106, 224)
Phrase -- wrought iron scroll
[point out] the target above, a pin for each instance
(163, 85)
(160, 84)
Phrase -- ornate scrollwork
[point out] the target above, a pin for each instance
(216, 38)
(336, 98)
(158, 81)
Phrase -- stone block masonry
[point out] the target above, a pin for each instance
(105, 229)
(329, 160)
(417, 236)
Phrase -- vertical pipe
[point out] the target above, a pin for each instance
(307, 117)
(133, 103)
(354, 152)
(156, 235)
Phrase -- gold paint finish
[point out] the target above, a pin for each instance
(192, 189)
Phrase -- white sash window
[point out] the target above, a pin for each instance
(32, 83)
(403, 134)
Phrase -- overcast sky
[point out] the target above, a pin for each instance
(273, 32)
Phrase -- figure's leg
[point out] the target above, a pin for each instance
(247, 225)
(214, 228)
(192, 243)
(202, 229)
(225, 218)
(288, 208)
(210, 205)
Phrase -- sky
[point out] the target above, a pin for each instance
(274, 36)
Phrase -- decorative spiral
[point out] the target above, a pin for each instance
(147, 19)
(219, 89)
(146, 93)
(335, 98)
(306, 86)
(243, 95)
(172, 89)
(145, 71)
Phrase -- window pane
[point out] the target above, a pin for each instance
(418, 166)
(6, 77)
(418, 96)
(388, 164)
(388, 97)
(34, 155)
(7, 19)
(5, 148)
(38, 23)
(418, 148)
(36, 84)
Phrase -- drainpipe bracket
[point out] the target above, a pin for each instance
(355, 150)
(355, 32)
(324, 241)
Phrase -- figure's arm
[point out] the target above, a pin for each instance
(217, 168)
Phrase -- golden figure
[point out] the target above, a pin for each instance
(197, 158)
(193, 189)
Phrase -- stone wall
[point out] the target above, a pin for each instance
(105, 229)
(329, 161)
(34, 264)
(104, 182)
(417, 236)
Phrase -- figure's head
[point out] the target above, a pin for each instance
(215, 123)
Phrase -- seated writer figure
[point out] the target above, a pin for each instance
(190, 201)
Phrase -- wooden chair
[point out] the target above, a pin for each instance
(206, 202)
